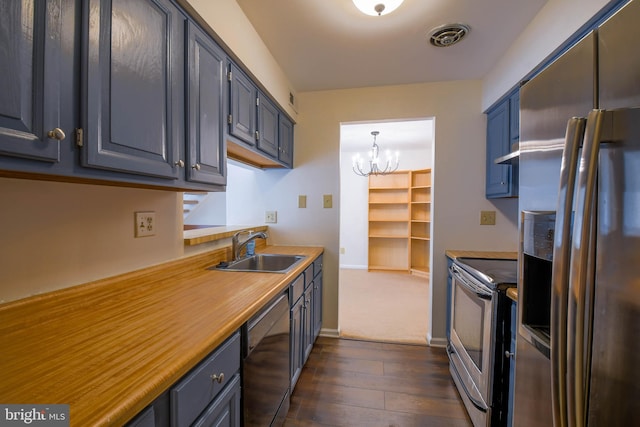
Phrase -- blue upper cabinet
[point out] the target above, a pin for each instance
(268, 125)
(243, 98)
(285, 148)
(133, 87)
(502, 131)
(30, 100)
(206, 73)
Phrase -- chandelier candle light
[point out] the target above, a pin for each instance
(377, 165)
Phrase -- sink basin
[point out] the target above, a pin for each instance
(262, 263)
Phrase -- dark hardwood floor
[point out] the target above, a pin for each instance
(360, 383)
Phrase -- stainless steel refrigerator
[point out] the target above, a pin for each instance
(578, 343)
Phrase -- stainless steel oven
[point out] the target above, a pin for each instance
(480, 335)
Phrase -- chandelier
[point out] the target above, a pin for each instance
(376, 165)
(377, 7)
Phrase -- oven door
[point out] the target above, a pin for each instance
(471, 342)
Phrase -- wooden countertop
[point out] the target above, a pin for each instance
(196, 235)
(110, 347)
(513, 294)
(481, 254)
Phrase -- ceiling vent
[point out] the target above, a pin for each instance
(448, 35)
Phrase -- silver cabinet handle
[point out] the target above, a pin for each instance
(179, 163)
(218, 377)
(508, 354)
(196, 166)
(56, 133)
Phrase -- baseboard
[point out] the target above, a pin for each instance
(330, 333)
(436, 342)
(353, 267)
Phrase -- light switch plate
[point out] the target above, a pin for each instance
(271, 217)
(145, 224)
(327, 201)
(487, 217)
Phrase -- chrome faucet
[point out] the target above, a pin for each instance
(236, 246)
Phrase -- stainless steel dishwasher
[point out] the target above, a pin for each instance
(265, 366)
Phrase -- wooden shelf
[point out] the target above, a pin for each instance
(420, 224)
(389, 214)
(400, 222)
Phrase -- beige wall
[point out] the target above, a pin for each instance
(458, 174)
(231, 24)
(54, 235)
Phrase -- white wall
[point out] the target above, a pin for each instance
(354, 203)
(231, 24)
(458, 193)
(55, 235)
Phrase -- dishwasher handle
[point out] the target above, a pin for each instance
(262, 323)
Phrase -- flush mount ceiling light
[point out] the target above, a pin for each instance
(448, 35)
(377, 165)
(377, 7)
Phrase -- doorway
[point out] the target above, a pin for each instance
(388, 306)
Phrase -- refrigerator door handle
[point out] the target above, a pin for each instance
(579, 273)
(560, 269)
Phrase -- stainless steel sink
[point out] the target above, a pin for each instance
(262, 263)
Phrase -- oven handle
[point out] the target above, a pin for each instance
(464, 278)
(473, 400)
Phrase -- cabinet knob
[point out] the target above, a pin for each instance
(56, 133)
(508, 354)
(179, 163)
(196, 166)
(218, 377)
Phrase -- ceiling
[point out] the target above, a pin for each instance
(329, 44)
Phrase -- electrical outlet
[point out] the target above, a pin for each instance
(327, 201)
(271, 217)
(302, 201)
(145, 224)
(487, 217)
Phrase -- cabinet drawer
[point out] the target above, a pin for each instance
(225, 410)
(194, 392)
(308, 276)
(296, 289)
(317, 266)
(146, 418)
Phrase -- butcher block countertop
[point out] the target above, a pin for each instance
(109, 348)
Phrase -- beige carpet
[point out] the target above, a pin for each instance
(383, 306)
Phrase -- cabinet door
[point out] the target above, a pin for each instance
(225, 410)
(285, 137)
(242, 106)
(296, 340)
(317, 306)
(29, 86)
(498, 182)
(133, 86)
(449, 294)
(206, 65)
(514, 118)
(268, 126)
(307, 326)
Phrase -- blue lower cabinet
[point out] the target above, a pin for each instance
(225, 410)
(205, 383)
